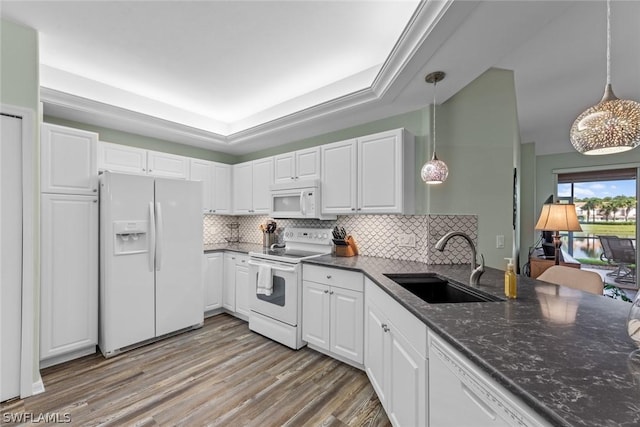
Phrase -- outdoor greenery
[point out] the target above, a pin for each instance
(607, 228)
(607, 207)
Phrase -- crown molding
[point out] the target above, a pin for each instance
(423, 21)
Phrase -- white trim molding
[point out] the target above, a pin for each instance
(30, 380)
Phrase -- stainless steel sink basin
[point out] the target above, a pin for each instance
(434, 290)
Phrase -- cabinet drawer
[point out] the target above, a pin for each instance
(334, 277)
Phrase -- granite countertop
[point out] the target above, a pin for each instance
(241, 247)
(563, 352)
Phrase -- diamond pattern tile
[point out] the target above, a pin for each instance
(376, 235)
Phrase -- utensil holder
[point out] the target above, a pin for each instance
(268, 239)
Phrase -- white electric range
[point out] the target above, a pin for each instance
(279, 315)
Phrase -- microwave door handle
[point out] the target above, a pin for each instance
(303, 208)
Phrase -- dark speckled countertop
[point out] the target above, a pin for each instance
(563, 352)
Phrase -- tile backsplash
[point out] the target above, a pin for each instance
(376, 235)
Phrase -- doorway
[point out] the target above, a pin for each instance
(606, 205)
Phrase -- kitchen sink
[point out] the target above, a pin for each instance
(435, 290)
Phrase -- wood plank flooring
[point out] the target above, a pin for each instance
(220, 375)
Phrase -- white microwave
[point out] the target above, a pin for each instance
(298, 199)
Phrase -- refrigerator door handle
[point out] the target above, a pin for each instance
(152, 236)
(160, 238)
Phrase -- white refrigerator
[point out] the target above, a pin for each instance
(150, 259)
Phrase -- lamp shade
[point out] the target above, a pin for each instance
(558, 217)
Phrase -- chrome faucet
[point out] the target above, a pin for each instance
(476, 271)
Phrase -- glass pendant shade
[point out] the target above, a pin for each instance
(611, 126)
(435, 171)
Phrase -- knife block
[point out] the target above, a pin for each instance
(350, 250)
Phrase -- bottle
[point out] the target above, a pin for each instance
(510, 280)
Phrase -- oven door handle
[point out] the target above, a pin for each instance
(286, 270)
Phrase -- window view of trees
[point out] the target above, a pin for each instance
(616, 208)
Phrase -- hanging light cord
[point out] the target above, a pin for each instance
(434, 116)
(608, 42)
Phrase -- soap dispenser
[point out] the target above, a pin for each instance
(510, 280)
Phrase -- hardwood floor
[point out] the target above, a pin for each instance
(220, 375)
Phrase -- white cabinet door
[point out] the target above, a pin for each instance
(308, 163)
(167, 165)
(375, 353)
(229, 283)
(347, 320)
(68, 160)
(121, 158)
(262, 179)
(243, 188)
(242, 286)
(213, 280)
(202, 170)
(221, 197)
(407, 393)
(284, 167)
(316, 314)
(339, 180)
(380, 168)
(69, 279)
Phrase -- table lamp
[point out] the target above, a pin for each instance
(558, 217)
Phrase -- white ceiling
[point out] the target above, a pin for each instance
(238, 76)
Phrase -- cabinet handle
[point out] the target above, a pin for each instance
(326, 292)
(144, 170)
(353, 209)
(95, 190)
(292, 178)
(385, 327)
(95, 201)
(328, 276)
(331, 293)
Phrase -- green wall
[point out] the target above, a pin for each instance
(20, 86)
(19, 80)
(477, 133)
(145, 142)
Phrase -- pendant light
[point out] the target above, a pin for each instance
(612, 125)
(435, 171)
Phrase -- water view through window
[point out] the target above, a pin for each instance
(604, 208)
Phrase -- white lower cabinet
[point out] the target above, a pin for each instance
(213, 279)
(333, 312)
(235, 290)
(242, 286)
(462, 395)
(395, 357)
(69, 277)
(229, 282)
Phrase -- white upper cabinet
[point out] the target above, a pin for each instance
(243, 188)
(371, 174)
(251, 182)
(339, 178)
(121, 158)
(68, 160)
(262, 179)
(221, 198)
(202, 170)
(216, 189)
(167, 165)
(301, 164)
